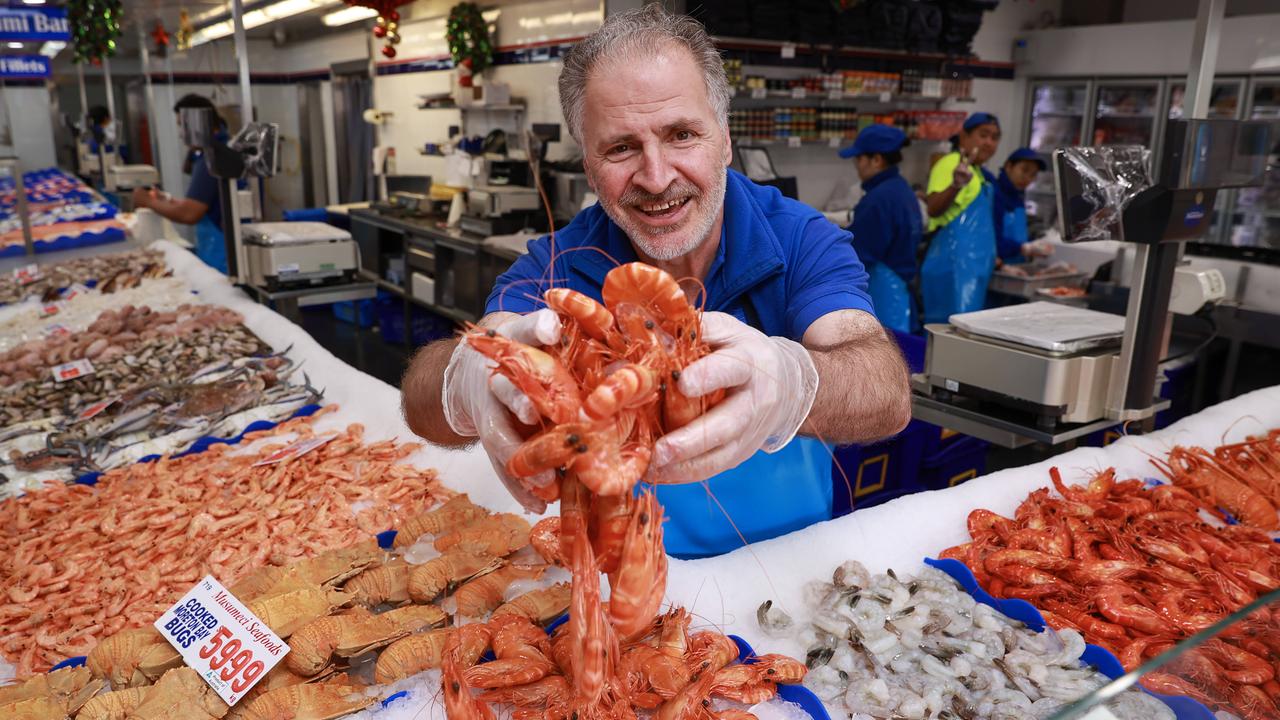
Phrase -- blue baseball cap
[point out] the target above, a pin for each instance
(980, 118)
(875, 138)
(1026, 153)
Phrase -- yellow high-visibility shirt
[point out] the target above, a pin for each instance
(940, 179)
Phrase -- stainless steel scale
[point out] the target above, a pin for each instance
(293, 254)
(1049, 373)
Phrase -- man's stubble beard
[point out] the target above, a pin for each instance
(709, 204)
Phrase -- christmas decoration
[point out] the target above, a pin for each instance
(162, 40)
(386, 26)
(185, 31)
(95, 25)
(469, 43)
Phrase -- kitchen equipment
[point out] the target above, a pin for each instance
(491, 201)
(571, 188)
(291, 254)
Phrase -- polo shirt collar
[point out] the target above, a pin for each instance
(880, 178)
(748, 251)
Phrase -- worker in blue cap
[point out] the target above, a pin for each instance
(887, 225)
(962, 244)
(1009, 207)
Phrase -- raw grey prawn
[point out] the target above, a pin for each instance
(914, 648)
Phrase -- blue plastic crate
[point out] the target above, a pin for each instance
(306, 215)
(425, 326)
(356, 312)
(961, 461)
(875, 473)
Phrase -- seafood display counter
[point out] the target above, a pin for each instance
(64, 213)
(278, 470)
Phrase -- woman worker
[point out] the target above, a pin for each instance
(887, 227)
(1009, 208)
(962, 249)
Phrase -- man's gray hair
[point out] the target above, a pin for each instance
(635, 34)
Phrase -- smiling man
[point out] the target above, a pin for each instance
(795, 339)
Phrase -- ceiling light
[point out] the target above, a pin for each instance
(348, 15)
(32, 2)
(289, 8)
(212, 32)
(15, 46)
(52, 47)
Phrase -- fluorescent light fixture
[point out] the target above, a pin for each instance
(15, 46)
(32, 2)
(52, 47)
(348, 15)
(256, 18)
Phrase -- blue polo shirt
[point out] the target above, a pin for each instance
(779, 266)
(887, 224)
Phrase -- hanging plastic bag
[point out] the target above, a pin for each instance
(891, 298)
(210, 245)
(959, 263)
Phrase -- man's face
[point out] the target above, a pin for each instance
(655, 152)
(981, 142)
(1022, 173)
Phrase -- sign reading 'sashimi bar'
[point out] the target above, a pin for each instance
(34, 23)
(23, 66)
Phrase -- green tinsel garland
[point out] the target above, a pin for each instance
(468, 36)
(95, 25)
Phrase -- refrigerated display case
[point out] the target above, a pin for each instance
(1057, 119)
(1225, 103)
(1224, 99)
(1125, 113)
(1254, 232)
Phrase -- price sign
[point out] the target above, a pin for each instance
(72, 370)
(49, 309)
(96, 409)
(797, 93)
(835, 95)
(793, 142)
(221, 640)
(56, 330)
(788, 51)
(73, 290)
(759, 93)
(886, 97)
(298, 449)
(835, 142)
(27, 274)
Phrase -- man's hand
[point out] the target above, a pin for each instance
(771, 385)
(478, 403)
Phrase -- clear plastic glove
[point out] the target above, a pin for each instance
(770, 383)
(1037, 248)
(478, 403)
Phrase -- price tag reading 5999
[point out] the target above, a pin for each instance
(221, 640)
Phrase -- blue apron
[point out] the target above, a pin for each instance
(211, 247)
(766, 496)
(891, 298)
(959, 263)
(1014, 225)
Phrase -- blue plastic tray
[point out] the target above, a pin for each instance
(205, 442)
(1184, 708)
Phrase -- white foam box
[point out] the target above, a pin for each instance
(423, 287)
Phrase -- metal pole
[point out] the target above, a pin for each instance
(111, 94)
(84, 101)
(1204, 58)
(20, 196)
(145, 52)
(242, 54)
